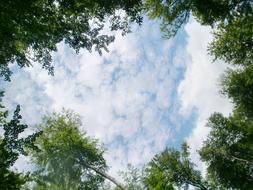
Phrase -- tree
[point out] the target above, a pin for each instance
(11, 146)
(173, 168)
(232, 43)
(237, 85)
(68, 158)
(31, 29)
(228, 150)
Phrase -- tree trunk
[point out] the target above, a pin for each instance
(110, 178)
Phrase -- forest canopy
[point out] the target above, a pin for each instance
(30, 30)
(62, 153)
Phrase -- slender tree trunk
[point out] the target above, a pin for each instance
(242, 160)
(196, 184)
(110, 178)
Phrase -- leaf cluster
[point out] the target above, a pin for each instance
(31, 29)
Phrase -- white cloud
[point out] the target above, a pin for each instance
(121, 96)
(127, 98)
(199, 89)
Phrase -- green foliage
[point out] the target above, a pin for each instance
(228, 151)
(11, 146)
(229, 147)
(210, 12)
(231, 19)
(238, 86)
(31, 29)
(172, 13)
(175, 13)
(68, 158)
(173, 168)
(157, 180)
(233, 42)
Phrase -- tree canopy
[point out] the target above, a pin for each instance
(233, 41)
(228, 150)
(31, 29)
(175, 13)
(232, 21)
(67, 157)
(237, 85)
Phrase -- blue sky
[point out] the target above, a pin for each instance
(145, 94)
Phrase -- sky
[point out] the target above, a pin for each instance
(146, 94)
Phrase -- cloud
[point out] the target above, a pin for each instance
(199, 90)
(127, 98)
(145, 94)
(23, 90)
